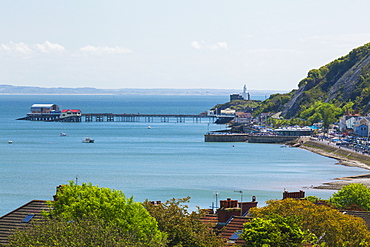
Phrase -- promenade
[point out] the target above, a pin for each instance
(348, 148)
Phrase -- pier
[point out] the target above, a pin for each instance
(52, 113)
(113, 117)
(149, 118)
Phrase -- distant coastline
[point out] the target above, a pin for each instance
(27, 90)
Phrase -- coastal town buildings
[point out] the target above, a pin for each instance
(355, 124)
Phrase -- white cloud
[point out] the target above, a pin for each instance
(26, 50)
(203, 45)
(48, 47)
(104, 50)
(196, 45)
(17, 48)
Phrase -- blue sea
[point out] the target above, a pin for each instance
(169, 160)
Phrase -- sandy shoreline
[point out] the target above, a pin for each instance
(342, 160)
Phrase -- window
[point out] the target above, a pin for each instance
(236, 234)
(28, 218)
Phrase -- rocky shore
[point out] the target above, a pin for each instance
(345, 157)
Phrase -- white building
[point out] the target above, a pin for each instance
(245, 94)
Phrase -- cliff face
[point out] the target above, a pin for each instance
(343, 80)
(348, 82)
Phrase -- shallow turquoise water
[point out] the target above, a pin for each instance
(170, 160)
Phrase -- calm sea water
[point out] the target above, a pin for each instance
(170, 160)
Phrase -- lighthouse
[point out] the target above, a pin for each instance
(246, 95)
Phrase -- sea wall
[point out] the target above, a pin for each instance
(226, 137)
(270, 139)
(336, 152)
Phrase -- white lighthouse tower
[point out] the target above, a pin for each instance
(246, 95)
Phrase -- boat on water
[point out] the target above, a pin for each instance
(63, 134)
(88, 140)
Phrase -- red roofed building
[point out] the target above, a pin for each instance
(70, 113)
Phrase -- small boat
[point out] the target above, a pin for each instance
(88, 140)
(63, 134)
(149, 127)
(10, 142)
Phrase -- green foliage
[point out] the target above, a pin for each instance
(183, 228)
(313, 199)
(352, 195)
(274, 230)
(239, 105)
(348, 107)
(274, 103)
(327, 224)
(320, 111)
(89, 231)
(76, 202)
(277, 123)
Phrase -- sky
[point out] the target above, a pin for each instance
(216, 44)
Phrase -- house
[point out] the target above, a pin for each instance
(231, 232)
(352, 121)
(362, 128)
(295, 195)
(21, 218)
(243, 118)
(44, 108)
(70, 113)
(227, 112)
(229, 219)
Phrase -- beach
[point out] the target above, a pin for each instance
(344, 157)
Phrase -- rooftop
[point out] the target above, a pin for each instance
(20, 218)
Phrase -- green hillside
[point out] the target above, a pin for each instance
(344, 80)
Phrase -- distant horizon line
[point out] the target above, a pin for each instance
(6, 89)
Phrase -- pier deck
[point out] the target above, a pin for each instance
(164, 118)
(113, 117)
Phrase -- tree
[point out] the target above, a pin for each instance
(83, 232)
(76, 202)
(275, 230)
(327, 224)
(352, 195)
(183, 228)
(320, 111)
(348, 107)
